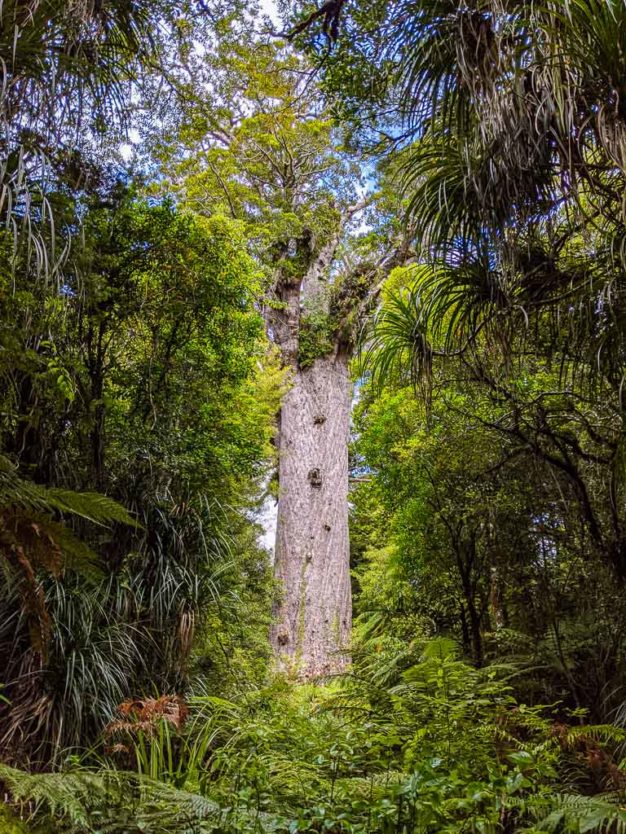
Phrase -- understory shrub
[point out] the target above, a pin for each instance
(419, 742)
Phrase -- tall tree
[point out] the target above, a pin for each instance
(278, 164)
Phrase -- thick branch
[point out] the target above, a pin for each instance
(331, 14)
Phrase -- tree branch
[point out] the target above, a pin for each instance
(331, 14)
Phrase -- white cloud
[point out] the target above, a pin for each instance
(268, 7)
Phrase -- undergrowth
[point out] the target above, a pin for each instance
(414, 741)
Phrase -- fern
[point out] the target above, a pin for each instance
(571, 813)
(33, 537)
(18, 493)
(117, 802)
(65, 794)
(28, 526)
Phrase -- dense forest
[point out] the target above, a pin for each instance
(313, 416)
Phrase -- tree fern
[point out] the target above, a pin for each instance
(18, 493)
(33, 537)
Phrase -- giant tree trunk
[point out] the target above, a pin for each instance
(313, 616)
(312, 620)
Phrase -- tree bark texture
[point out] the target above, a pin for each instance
(313, 617)
(312, 561)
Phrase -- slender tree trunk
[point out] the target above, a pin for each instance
(313, 617)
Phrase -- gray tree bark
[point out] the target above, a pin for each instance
(314, 616)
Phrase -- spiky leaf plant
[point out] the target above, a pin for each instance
(32, 537)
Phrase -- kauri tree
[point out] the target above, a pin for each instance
(279, 166)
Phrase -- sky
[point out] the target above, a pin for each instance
(269, 7)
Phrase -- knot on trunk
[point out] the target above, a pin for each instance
(319, 419)
(315, 478)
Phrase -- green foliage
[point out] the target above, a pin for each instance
(138, 395)
(469, 522)
(426, 745)
(279, 167)
(497, 123)
(166, 405)
(316, 337)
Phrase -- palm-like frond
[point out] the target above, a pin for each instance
(462, 193)
(423, 45)
(31, 539)
(442, 311)
(516, 115)
(397, 345)
(65, 74)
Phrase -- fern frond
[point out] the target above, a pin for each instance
(89, 505)
(66, 794)
(17, 492)
(118, 802)
(574, 812)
